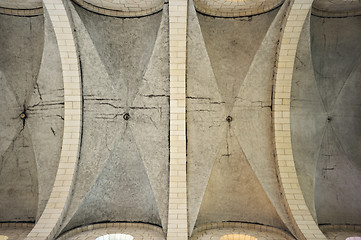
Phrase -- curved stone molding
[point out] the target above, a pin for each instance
(336, 8)
(238, 8)
(217, 230)
(122, 8)
(177, 210)
(281, 120)
(139, 231)
(21, 8)
(51, 218)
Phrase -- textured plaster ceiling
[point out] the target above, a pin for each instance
(123, 165)
(325, 113)
(31, 83)
(230, 176)
(122, 173)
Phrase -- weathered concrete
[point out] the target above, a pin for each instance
(241, 149)
(123, 161)
(233, 191)
(336, 54)
(30, 147)
(325, 111)
(19, 65)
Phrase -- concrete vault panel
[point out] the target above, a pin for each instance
(229, 73)
(31, 125)
(325, 113)
(123, 167)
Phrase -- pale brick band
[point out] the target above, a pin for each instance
(321, 13)
(177, 215)
(281, 120)
(50, 220)
(336, 8)
(139, 231)
(136, 9)
(22, 12)
(231, 8)
(217, 230)
(21, 8)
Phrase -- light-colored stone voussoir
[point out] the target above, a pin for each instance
(231, 8)
(281, 120)
(177, 214)
(119, 8)
(47, 226)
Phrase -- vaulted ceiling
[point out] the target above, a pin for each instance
(123, 163)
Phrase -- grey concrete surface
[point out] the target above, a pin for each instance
(231, 54)
(231, 74)
(233, 191)
(123, 166)
(20, 58)
(336, 54)
(325, 113)
(32, 82)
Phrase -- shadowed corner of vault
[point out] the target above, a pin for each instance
(334, 39)
(325, 97)
(337, 64)
(122, 191)
(336, 181)
(233, 192)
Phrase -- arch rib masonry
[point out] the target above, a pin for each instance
(281, 120)
(177, 211)
(50, 220)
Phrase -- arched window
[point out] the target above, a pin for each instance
(116, 236)
(237, 237)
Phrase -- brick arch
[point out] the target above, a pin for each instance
(231, 8)
(21, 8)
(215, 231)
(281, 120)
(50, 220)
(139, 231)
(137, 8)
